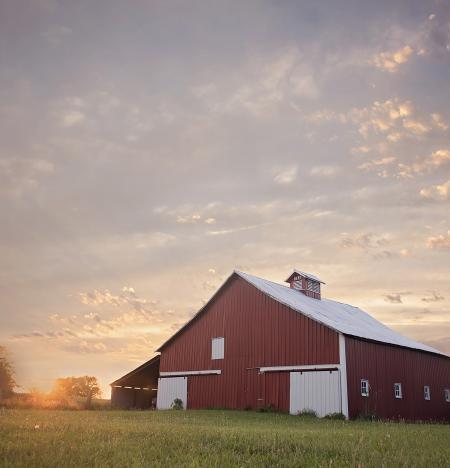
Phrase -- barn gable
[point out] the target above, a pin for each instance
(256, 328)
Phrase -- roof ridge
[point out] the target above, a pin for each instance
(289, 288)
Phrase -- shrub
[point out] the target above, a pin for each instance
(267, 409)
(177, 404)
(336, 416)
(309, 413)
(368, 417)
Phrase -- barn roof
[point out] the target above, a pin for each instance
(342, 318)
(338, 316)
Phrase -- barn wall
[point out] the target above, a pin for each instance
(383, 365)
(258, 331)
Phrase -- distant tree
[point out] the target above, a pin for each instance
(77, 387)
(7, 382)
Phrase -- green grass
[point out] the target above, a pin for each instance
(213, 438)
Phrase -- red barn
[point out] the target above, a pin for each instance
(258, 343)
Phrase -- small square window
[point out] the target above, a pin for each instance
(217, 348)
(364, 387)
(398, 390)
(447, 395)
(426, 392)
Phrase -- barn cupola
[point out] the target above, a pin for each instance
(305, 283)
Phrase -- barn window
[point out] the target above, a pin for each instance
(398, 390)
(447, 395)
(217, 348)
(364, 387)
(426, 392)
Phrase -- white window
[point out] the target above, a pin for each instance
(447, 395)
(398, 390)
(217, 348)
(364, 387)
(426, 392)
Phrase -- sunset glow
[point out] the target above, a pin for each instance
(147, 151)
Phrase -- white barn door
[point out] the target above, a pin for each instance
(170, 388)
(319, 391)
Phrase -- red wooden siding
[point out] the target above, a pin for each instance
(258, 331)
(383, 365)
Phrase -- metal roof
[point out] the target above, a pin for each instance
(342, 318)
(306, 275)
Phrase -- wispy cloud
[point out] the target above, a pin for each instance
(390, 61)
(439, 242)
(287, 176)
(395, 298)
(437, 192)
(433, 297)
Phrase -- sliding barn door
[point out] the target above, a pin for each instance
(318, 391)
(169, 389)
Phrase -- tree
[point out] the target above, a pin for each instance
(7, 382)
(77, 387)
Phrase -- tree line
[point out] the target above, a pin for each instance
(67, 392)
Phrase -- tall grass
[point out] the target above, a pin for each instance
(213, 438)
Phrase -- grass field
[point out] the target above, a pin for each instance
(212, 438)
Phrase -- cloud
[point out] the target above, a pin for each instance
(391, 118)
(433, 298)
(99, 297)
(325, 171)
(422, 166)
(416, 127)
(224, 232)
(440, 242)
(128, 297)
(370, 244)
(439, 122)
(385, 117)
(390, 128)
(440, 157)
(437, 192)
(86, 347)
(190, 219)
(18, 175)
(394, 298)
(377, 163)
(366, 241)
(389, 61)
(360, 150)
(326, 115)
(262, 86)
(303, 85)
(72, 118)
(287, 176)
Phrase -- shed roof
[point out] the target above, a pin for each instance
(341, 317)
(153, 362)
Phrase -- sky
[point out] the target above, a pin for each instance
(148, 149)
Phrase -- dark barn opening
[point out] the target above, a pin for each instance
(138, 388)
